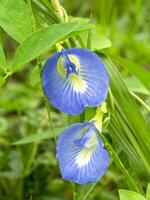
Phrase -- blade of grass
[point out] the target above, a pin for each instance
(142, 74)
(132, 124)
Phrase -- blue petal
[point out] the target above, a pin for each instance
(81, 161)
(89, 87)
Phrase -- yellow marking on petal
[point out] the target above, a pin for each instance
(60, 67)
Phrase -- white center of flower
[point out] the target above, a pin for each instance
(78, 84)
(85, 155)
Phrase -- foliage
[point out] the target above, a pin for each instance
(29, 125)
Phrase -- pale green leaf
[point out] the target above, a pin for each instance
(135, 85)
(15, 19)
(130, 195)
(98, 41)
(43, 40)
(2, 58)
(142, 74)
(38, 137)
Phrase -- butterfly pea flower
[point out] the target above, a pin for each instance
(81, 154)
(74, 79)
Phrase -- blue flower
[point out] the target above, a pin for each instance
(74, 79)
(81, 155)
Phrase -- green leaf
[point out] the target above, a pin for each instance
(135, 85)
(142, 74)
(15, 19)
(2, 58)
(127, 125)
(128, 195)
(43, 40)
(148, 192)
(37, 137)
(98, 41)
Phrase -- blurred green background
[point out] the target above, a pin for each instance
(31, 171)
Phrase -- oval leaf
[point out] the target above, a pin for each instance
(98, 41)
(44, 39)
(128, 195)
(15, 19)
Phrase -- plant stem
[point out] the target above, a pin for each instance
(89, 40)
(82, 116)
(7, 75)
(63, 17)
(46, 101)
(32, 20)
(75, 193)
(50, 118)
(78, 37)
(140, 101)
(31, 158)
(131, 182)
(40, 68)
(58, 9)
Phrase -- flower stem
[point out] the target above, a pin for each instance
(140, 101)
(31, 158)
(7, 75)
(46, 101)
(63, 18)
(75, 193)
(60, 12)
(89, 40)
